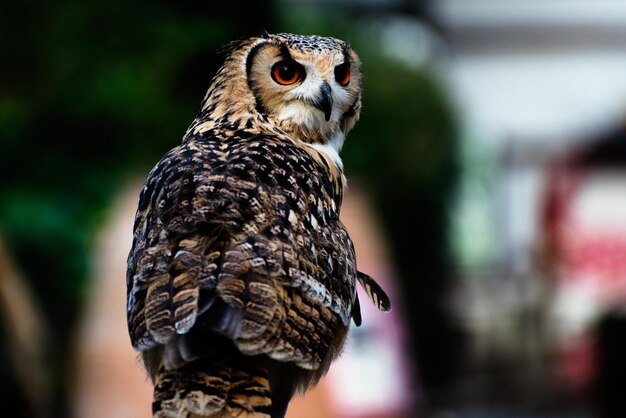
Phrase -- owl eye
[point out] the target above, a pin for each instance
(342, 74)
(286, 72)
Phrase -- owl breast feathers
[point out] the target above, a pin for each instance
(241, 279)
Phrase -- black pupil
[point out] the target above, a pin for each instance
(341, 71)
(286, 71)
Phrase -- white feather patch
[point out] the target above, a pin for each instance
(332, 148)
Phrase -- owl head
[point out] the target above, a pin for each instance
(308, 87)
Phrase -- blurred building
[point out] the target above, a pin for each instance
(584, 229)
(533, 81)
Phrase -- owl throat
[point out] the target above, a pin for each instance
(321, 138)
(308, 126)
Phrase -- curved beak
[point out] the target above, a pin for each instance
(324, 101)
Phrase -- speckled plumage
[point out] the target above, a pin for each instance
(241, 278)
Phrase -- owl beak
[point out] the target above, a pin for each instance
(324, 101)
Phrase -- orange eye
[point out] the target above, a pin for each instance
(286, 72)
(342, 74)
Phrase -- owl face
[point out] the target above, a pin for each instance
(308, 86)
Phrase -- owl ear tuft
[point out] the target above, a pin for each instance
(232, 46)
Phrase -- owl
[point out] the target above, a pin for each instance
(241, 280)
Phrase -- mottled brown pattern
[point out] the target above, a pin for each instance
(241, 278)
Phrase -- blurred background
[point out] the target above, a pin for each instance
(487, 174)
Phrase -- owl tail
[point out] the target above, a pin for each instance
(216, 390)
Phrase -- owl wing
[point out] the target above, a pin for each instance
(241, 237)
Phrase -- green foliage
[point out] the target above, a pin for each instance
(89, 93)
(406, 128)
(405, 147)
(86, 94)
